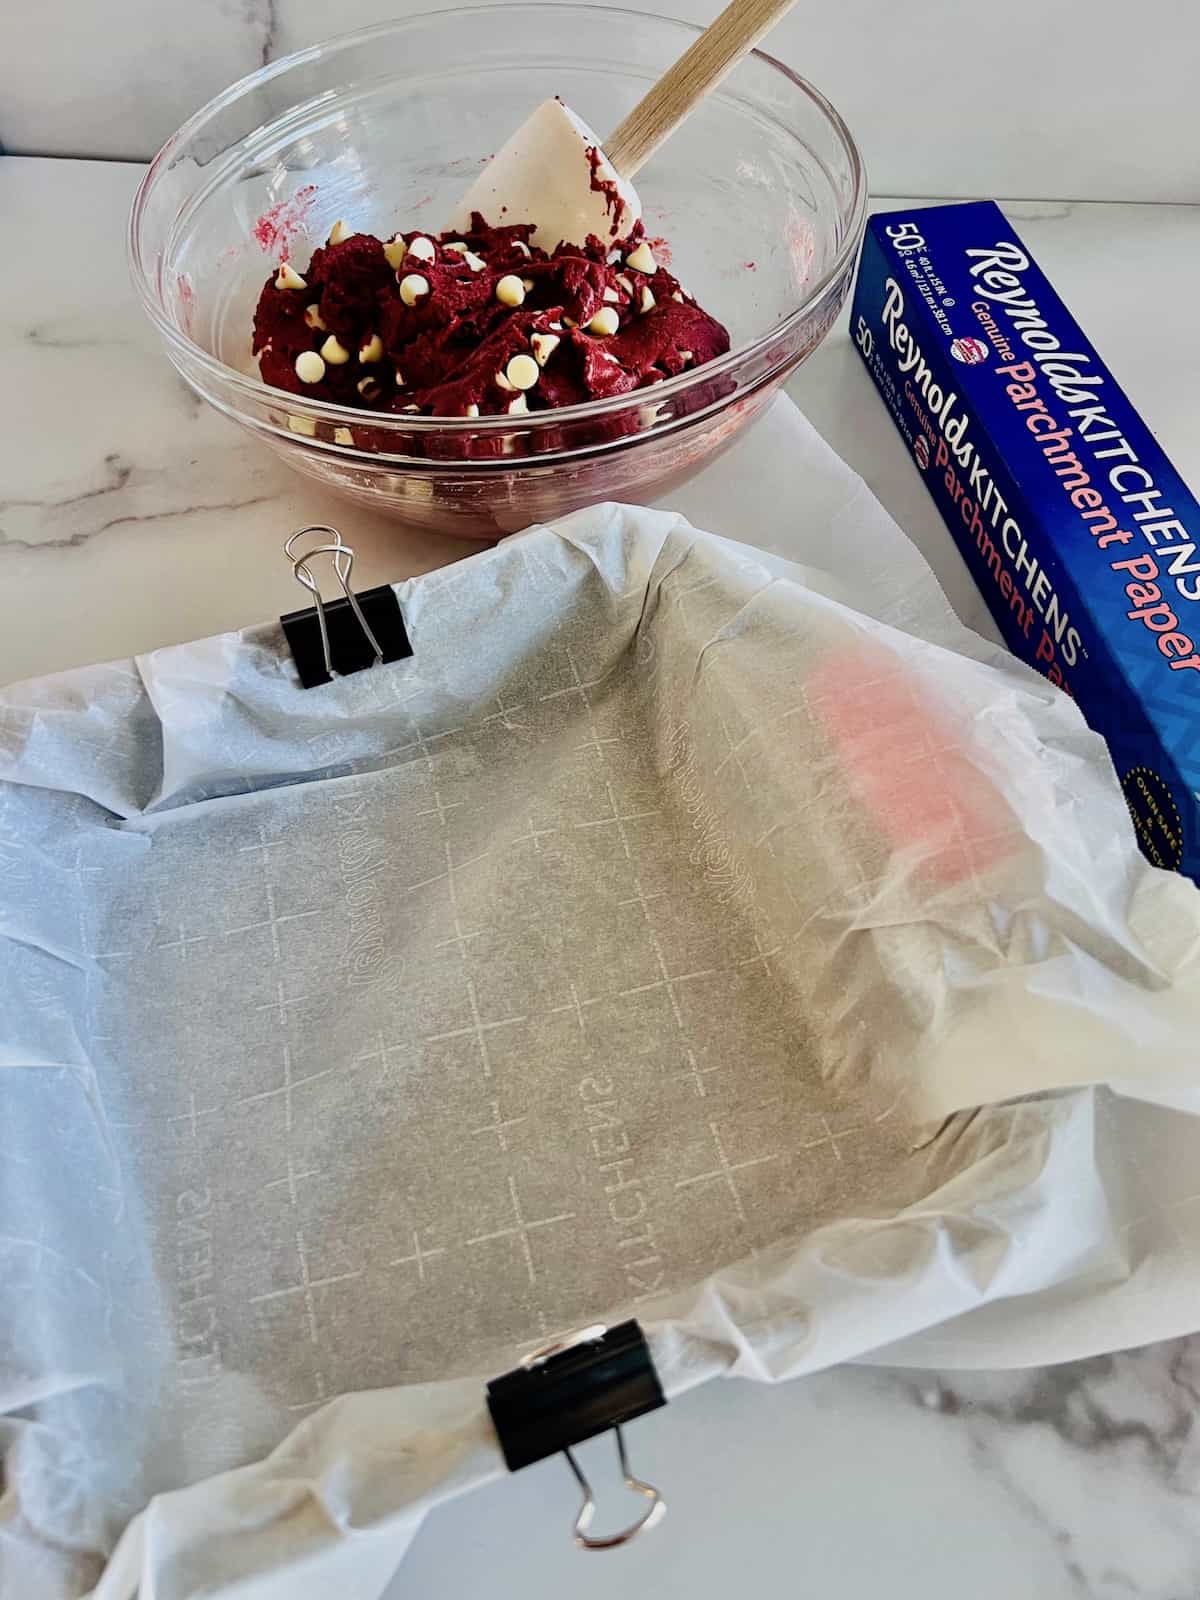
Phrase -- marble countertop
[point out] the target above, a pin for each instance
(132, 516)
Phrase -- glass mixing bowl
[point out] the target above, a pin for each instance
(761, 195)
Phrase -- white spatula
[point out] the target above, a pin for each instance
(554, 170)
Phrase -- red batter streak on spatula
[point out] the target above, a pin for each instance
(906, 766)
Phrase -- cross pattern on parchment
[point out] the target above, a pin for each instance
(641, 898)
(582, 689)
(77, 867)
(477, 1027)
(696, 1073)
(618, 820)
(500, 1125)
(522, 1227)
(440, 809)
(576, 1006)
(665, 981)
(577, 685)
(287, 1088)
(383, 1052)
(534, 835)
(763, 957)
(830, 1138)
(735, 753)
(182, 943)
(192, 1115)
(725, 1171)
(504, 714)
(262, 846)
(460, 939)
(594, 742)
(275, 920)
(420, 1255)
(291, 1178)
(422, 741)
(283, 1001)
(306, 1287)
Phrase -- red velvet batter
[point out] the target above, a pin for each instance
(443, 354)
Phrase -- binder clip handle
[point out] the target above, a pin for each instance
(346, 635)
(654, 1512)
(571, 1390)
(343, 564)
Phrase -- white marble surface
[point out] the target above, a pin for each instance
(1090, 98)
(130, 516)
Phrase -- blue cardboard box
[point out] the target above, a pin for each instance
(1079, 532)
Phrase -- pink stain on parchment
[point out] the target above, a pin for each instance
(276, 228)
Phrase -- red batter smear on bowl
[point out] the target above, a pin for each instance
(276, 228)
(583, 326)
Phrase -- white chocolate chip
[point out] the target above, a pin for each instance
(522, 371)
(611, 296)
(476, 263)
(687, 355)
(555, 326)
(337, 233)
(544, 345)
(605, 321)
(394, 252)
(648, 301)
(288, 278)
(413, 287)
(626, 282)
(313, 318)
(569, 322)
(372, 350)
(503, 383)
(410, 408)
(472, 410)
(642, 259)
(342, 435)
(309, 367)
(675, 295)
(518, 406)
(334, 351)
(519, 244)
(458, 246)
(424, 249)
(527, 284)
(510, 291)
(304, 425)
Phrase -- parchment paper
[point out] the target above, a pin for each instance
(648, 944)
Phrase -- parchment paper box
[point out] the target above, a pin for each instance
(1079, 532)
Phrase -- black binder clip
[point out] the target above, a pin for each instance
(347, 635)
(570, 1391)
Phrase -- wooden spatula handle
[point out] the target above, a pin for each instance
(717, 51)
